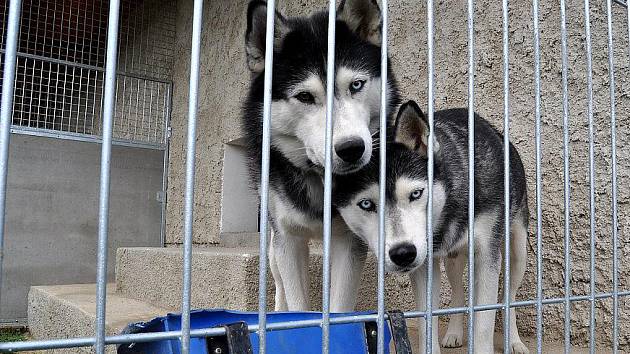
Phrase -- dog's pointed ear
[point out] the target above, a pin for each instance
(255, 35)
(363, 17)
(412, 129)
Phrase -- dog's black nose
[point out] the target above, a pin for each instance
(350, 150)
(403, 255)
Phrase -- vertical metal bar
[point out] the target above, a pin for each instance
(8, 80)
(128, 131)
(567, 188)
(124, 92)
(135, 123)
(31, 89)
(430, 111)
(144, 108)
(87, 92)
(167, 146)
(539, 274)
(74, 69)
(471, 176)
(152, 86)
(591, 170)
(190, 171)
(41, 73)
(380, 320)
(613, 143)
(50, 67)
(118, 107)
(330, 96)
(157, 126)
(106, 151)
(57, 100)
(506, 180)
(264, 179)
(65, 73)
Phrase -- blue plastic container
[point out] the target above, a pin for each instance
(344, 338)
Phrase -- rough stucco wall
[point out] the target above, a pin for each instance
(224, 80)
(222, 85)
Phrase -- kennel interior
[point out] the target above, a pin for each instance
(59, 96)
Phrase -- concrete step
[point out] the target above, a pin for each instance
(228, 278)
(66, 311)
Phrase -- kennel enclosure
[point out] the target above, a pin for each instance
(546, 91)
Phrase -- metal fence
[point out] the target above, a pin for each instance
(60, 70)
(13, 93)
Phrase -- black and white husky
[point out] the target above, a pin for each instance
(356, 196)
(298, 131)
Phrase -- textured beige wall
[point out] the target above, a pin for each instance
(224, 80)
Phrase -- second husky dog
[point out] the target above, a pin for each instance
(356, 197)
(298, 117)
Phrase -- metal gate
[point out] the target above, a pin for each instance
(108, 128)
(58, 86)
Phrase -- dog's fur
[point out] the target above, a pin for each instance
(356, 196)
(298, 130)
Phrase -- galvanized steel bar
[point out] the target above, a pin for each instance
(567, 188)
(430, 114)
(380, 321)
(264, 178)
(613, 143)
(277, 326)
(166, 141)
(471, 177)
(109, 108)
(86, 66)
(193, 91)
(49, 133)
(539, 270)
(6, 111)
(330, 97)
(198, 333)
(506, 180)
(591, 171)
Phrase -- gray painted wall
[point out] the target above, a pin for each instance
(52, 213)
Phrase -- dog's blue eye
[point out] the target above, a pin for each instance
(305, 97)
(356, 86)
(367, 205)
(415, 195)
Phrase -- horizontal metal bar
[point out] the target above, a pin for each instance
(197, 333)
(622, 3)
(86, 66)
(49, 133)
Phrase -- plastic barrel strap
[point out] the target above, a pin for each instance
(399, 332)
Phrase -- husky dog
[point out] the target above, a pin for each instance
(356, 197)
(298, 116)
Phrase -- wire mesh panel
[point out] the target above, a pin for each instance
(60, 68)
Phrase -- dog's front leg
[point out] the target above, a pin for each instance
(419, 282)
(290, 259)
(348, 254)
(487, 268)
(280, 295)
(454, 265)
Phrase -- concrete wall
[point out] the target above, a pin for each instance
(224, 79)
(52, 213)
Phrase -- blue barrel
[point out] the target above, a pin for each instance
(347, 338)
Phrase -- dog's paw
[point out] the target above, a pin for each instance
(452, 340)
(519, 348)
